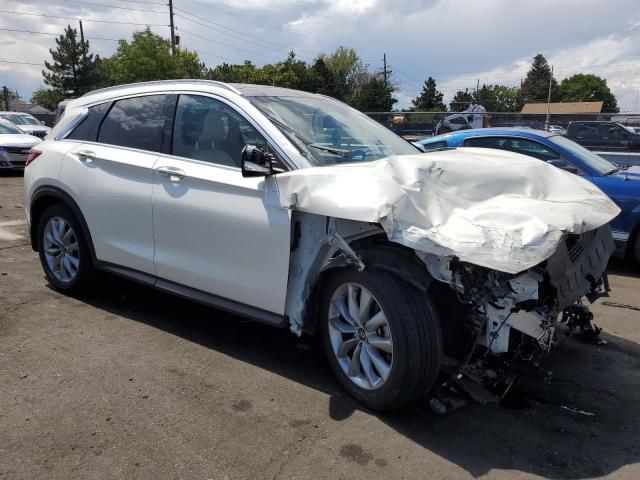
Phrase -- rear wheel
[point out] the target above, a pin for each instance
(381, 336)
(63, 250)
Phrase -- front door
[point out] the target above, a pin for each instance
(216, 231)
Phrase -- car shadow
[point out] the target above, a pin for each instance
(584, 422)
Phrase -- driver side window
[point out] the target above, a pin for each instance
(208, 130)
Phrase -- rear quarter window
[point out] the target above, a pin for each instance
(87, 129)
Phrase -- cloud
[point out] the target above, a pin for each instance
(456, 41)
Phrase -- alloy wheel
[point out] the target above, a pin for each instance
(61, 249)
(360, 336)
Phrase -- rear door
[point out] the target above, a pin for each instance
(110, 173)
(216, 231)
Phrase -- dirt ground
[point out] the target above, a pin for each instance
(131, 383)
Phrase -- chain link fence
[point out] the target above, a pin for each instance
(416, 125)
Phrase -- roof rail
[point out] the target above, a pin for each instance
(159, 82)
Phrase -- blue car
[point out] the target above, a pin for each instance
(621, 184)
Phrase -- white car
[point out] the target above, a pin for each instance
(293, 209)
(27, 122)
(14, 146)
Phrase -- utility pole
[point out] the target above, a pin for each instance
(173, 32)
(5, 94)
(385, 71)
(477, 88)
(546, 123)
(84, 50)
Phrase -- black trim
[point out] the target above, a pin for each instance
(195, 295)
(64, 198)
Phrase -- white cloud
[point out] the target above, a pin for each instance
(456, 41)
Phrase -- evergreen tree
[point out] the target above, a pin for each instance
(74, 70)
(430, 100)
(461, 100)
(535, 87)
(373, 96)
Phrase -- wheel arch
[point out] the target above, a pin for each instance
(46, 196)
(377, 253)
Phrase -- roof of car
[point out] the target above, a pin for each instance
(475, 132)
(14, 113)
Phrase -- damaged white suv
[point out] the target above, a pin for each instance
(293, 209)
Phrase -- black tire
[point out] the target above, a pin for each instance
(416, 338)
(86, 273)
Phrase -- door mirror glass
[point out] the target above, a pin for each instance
(257, 162)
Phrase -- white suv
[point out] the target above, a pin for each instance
(293, 209)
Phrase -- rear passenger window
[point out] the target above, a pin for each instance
(429, 147)
(484, 142)
(87, 129)
(135, 123)
(207, 129)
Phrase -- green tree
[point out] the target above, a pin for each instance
(322, 78)
(348, 72)
(47, 97)
(461, 100)
(535, 86)
(588, 88)
(373, 96)
(497, 98)
(74, 71)
(148, 57)
(236, 73)
(430, 99)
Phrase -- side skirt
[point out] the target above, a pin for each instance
(195, 295)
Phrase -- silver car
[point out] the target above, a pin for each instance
(27, 122)
(15, 145)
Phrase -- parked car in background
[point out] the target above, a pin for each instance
(15, 145)
(27, 122)
(622, 185)
(605, 136)
(557, 129)
(294, 209)
(633, 129)
(472, 117)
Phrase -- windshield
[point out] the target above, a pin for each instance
(593, 161)
(7, 129)
(327, 131)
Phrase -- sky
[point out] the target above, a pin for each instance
(455, 41)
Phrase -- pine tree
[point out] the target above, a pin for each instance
(535, 87)
(74, 70)
(461, 100)
(430, 99)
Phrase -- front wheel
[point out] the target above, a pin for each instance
(381, 336)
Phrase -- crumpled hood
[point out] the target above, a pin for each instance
(493, 208)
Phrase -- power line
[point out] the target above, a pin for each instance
(21, 63)
(208, 24)
(113, 6)
(225, 44)
(54, 34)
(84, 19)
(237, 37)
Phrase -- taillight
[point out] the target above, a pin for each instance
(33, 154)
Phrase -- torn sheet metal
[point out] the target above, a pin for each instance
(493, 208)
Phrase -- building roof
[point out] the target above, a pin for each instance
(563, 107)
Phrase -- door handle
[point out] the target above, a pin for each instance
(86, 156)
(173, 173)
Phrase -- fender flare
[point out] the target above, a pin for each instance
(48, 195)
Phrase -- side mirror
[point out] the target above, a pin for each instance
(256, 162)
